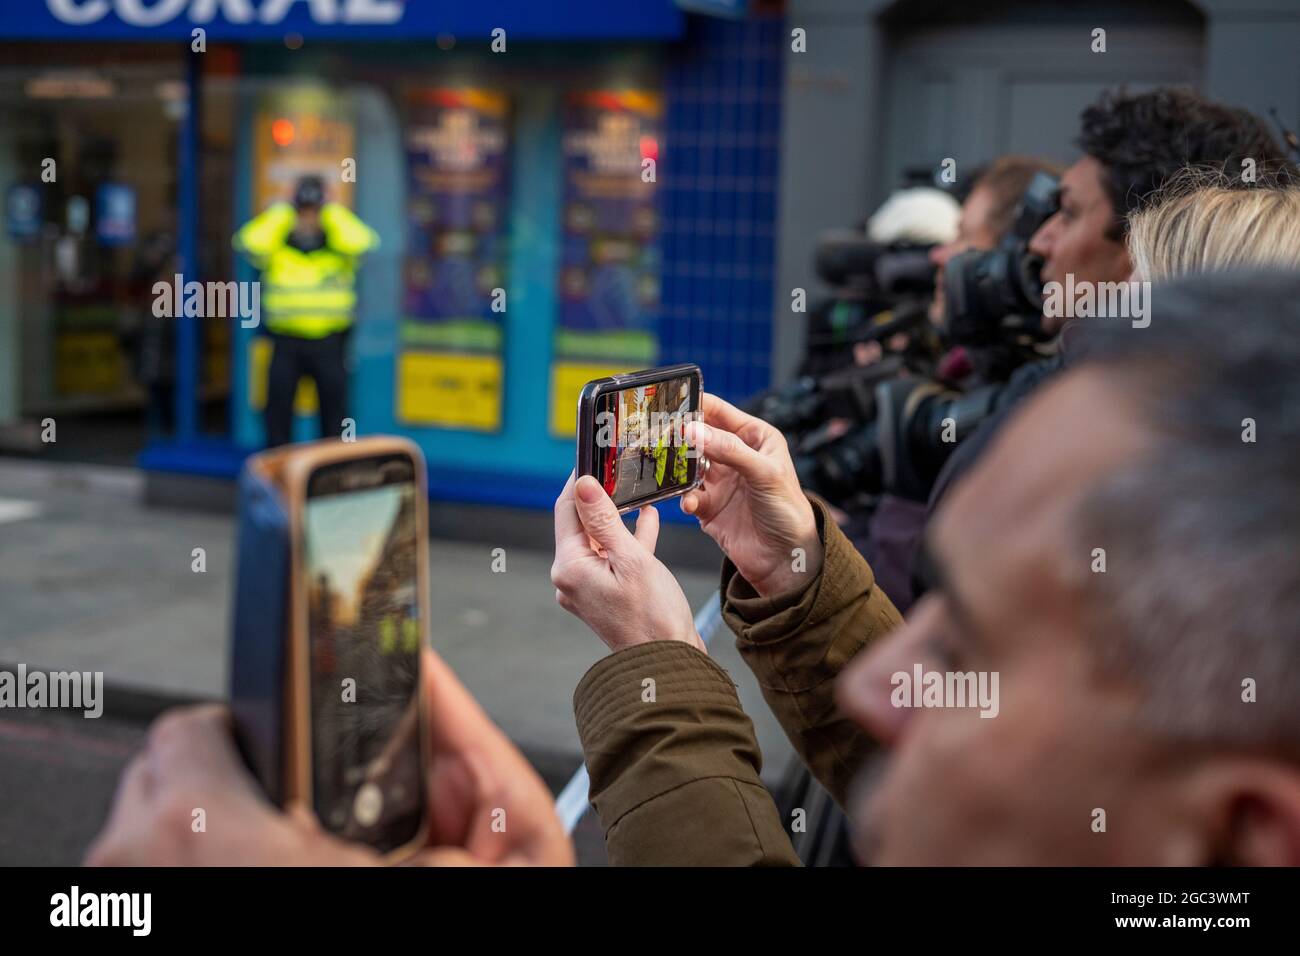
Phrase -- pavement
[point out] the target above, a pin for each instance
(636, 476)
(92, 579)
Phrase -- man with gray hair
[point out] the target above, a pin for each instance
(1127, 558)
(1123, 559)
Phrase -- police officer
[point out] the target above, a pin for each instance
(308, 252)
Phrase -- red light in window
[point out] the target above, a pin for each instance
(282, 132)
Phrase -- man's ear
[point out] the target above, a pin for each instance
(1253, 808)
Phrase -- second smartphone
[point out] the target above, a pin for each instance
(357, 619)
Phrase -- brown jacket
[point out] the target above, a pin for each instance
(673, 761)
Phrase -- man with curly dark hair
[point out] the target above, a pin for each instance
(1131, 144)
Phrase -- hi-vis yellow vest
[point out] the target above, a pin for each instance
(661, 463)
(308, 295)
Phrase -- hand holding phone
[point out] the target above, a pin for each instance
(609, 577)
(753, 506)
(368, 746)
(475, 776)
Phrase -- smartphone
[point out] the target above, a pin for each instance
(631, 434)
(358, 619)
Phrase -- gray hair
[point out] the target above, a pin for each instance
(1202, 535)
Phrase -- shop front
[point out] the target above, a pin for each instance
(558, 197)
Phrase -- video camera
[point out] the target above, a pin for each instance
(905, 426)
(876, 290)
(996, 296)
(853, 263)
(811, 400)
(915, 427)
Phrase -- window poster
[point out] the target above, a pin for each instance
(610, 256)
(450, 362)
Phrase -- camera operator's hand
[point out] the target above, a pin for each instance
(751, 503)
(609, 577)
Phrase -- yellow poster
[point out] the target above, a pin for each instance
(449, 390)
(567, 379)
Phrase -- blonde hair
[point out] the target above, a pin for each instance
(1206, 220)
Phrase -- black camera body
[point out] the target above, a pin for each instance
(875, 290)
(996, 296)
(899, 422)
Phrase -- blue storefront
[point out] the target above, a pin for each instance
(523, 125)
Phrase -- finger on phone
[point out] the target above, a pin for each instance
(456, 720)
(647, 527)
(704, 503)
(568, 526)
(722, 414)
(726, 448)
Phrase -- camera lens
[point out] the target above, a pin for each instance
(990, 293)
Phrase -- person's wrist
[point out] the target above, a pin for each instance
(685, 635)
(801, 570)
(801, 562)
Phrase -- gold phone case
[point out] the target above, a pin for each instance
(288, 469)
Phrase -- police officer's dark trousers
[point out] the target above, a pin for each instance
(325, 361)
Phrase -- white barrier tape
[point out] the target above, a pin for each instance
(572, 804)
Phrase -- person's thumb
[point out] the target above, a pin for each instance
(599, 516)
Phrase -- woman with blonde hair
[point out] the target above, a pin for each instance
(1206, 220)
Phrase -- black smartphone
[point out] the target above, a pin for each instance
(632, 434)
(359, 623)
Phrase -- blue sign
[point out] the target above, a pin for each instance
(115, 214)
(24, 211)
(236, 20)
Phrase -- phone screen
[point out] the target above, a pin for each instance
(640, 442)
(361, 547)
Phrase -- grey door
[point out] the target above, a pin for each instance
(1016, 83)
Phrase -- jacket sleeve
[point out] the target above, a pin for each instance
(346, 232)
(674, 764)
(798, 642)
(265, 232)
